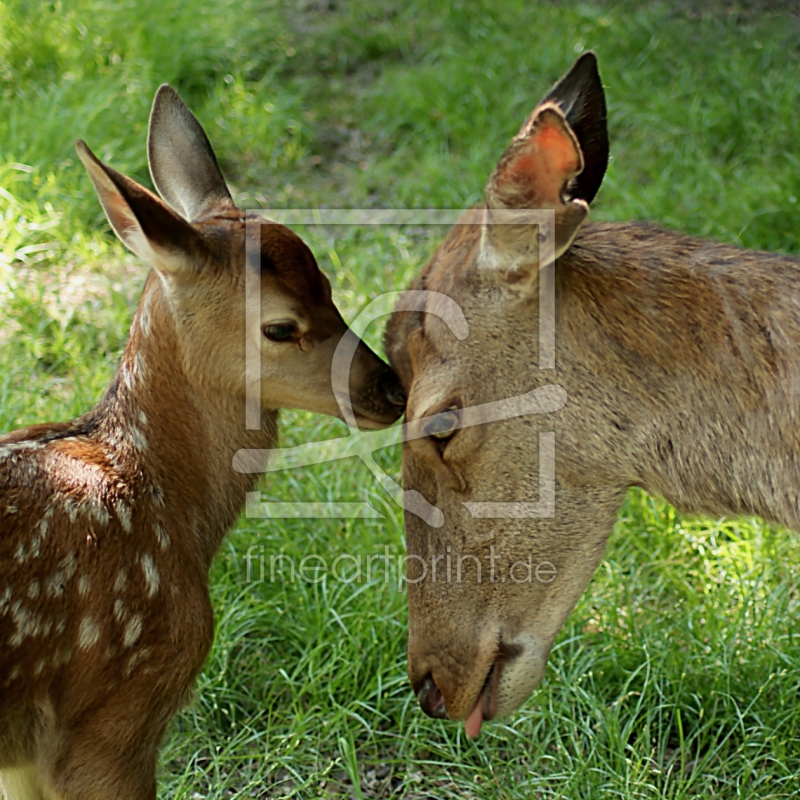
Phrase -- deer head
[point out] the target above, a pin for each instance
(202, 248)
(487, 595)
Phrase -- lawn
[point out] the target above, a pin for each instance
(678, 673)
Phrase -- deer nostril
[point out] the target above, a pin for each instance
(397, 397)
(393, 391)
(430, 699)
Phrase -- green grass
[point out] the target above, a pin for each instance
(678, 673)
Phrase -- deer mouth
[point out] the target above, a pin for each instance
(374, 421)
(485, 707)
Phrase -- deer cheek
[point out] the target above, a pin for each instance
(449, 478)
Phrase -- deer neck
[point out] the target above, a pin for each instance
(687, 351)
(172, 441)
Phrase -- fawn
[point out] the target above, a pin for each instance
(677, 360)
(109, 523)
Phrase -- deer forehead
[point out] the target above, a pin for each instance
(277, 303)
(433, 362)
(282, 259)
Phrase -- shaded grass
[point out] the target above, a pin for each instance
(676, 676)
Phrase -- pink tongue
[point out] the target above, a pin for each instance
(475, 719)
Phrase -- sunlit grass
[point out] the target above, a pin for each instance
(677, 675)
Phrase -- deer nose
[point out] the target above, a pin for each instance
(390, 387)
(430, 699)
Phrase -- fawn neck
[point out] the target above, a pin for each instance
(172, 438)
(688, 348)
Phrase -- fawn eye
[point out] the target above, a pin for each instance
(280, 331)
(443, 425)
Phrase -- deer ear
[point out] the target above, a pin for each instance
(532, 175)
(149, 228)
(182, 164)
(579, 94)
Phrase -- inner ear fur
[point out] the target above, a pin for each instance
(533, 175)
(182, 162)
(535, 169)
(145, 224)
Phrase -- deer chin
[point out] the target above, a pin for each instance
(365, 422)
(380, 410)
(508, 684)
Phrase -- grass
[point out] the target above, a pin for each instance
(677, 675)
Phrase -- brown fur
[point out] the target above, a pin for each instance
(109, 523)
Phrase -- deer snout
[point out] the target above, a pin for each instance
(430, 698)
(390, 388)
(494, 687)
(379, 399)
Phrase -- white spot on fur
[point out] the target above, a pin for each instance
(121, 581)
(11, 509)
(71, 507)
(123, 512)
(144, 315)
(157, 496)
(133, 630)
(27, 624)
(63, 574)
(61, 626)
(5, 600)
(68, 564)
(119, 611)
(151, 577)
(39, 668)
(139, 439)
(126, 378)
(84, 584)
(88, 633)
(143, 419)
(43, 526)
(162, 536)
(19, 553)
(139, 655)
(94, 508)
(33, 590)
(138, 366)
(16, 671)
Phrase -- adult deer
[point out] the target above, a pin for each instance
(677, 358)
(108, 523)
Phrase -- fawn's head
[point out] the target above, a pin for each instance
(489, 589)
(203, 250)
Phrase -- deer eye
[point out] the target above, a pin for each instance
(280, 331)
(443, 425)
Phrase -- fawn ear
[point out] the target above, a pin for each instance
(580, 96)
(182, 164)
(146, 225)
(533, 174)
